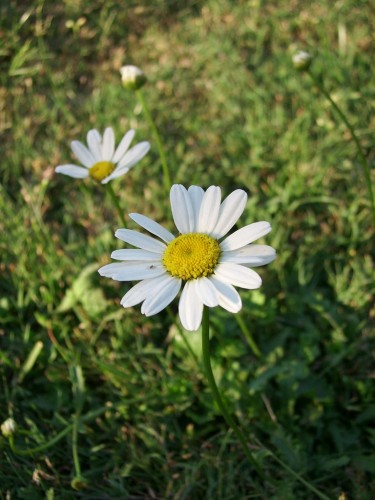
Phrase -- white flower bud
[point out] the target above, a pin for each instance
(132, 77)
(8, 427)
(302, 60)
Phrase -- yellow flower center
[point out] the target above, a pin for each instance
(191, 256)
(101, 170)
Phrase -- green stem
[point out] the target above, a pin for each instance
(116, 203)
(362, 157)
(216, 393)
(183, 336)
(248, 336)
(77, 465)
(159, 144)
(230, 421)
(44, 446)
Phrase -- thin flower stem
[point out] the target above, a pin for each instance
(362, 157)
(183, 336)
(77, 465)
(159, 144)
(116, 204)
(249, 337)
(216, 393)
(230, 421)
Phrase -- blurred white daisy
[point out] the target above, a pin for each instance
(198, 259)
(100, 160)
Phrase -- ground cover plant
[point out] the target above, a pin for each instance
(111, 404)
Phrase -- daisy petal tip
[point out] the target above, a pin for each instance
(124, 303)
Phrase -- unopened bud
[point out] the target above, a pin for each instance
(79, 483)
(132, 77)
(302, 60)
(9, 427)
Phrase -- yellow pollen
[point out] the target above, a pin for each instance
(191, 256)
(101, 170)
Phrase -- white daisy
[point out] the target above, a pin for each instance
(100, 160)
(198, 259)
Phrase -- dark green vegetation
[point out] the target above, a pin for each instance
(233, 112)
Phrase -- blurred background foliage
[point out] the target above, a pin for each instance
(232, 111)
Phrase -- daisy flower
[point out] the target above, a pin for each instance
(100, 160)
(199, 260)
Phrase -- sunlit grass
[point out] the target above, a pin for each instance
(231, 111)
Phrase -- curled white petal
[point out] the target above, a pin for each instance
(237, 275)
(140, 240)
(72, 171)
(139, 292)
(144, 289)
(161, 297)
(245, 235)
(230, 211)
(152, 227)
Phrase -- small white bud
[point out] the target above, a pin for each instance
(132, 77)
(302, 60)
(8, 427)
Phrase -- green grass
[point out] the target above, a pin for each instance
(233, 112)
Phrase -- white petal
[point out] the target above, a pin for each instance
(245, 235)
(109, 269)
(139, 292)
(131, 271)
(229, 298)
(207, 292)
(182, 209)
(140, 240)
(152, 226)
(94, 141)
(136, 254)
(123, 146)
(252, 255)
(83, 154)
(108, 146)
(209, 210)
(196, 194)
(190, 307)
(230, 211)
(134, 155)
(129, 160)
(161, 297)
(237, 275)
(72, 171)
(115, 174)
(144, 289)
